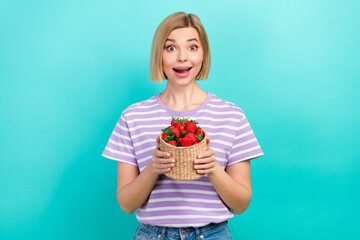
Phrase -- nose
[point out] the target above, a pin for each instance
(182, 56)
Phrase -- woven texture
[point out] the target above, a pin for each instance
(184, 157)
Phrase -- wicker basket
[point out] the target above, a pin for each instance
(184, 157)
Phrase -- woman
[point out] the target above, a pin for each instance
(167, 208)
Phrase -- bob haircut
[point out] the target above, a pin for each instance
(172, 22)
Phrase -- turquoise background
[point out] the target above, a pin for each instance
(69, 68)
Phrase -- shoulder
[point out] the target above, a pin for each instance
(140, 106)
(225, 106)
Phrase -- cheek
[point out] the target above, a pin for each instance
(166, 62)
(197, 59)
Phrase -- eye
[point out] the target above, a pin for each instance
(194, 47)
(170, 48)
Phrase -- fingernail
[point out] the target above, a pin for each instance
(196, 161)
(199, 156)
(168, 154)
(172, 160)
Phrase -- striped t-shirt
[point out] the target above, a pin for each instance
(175, 203)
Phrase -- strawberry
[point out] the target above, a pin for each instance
(164, 136)
(199, 130)
(172, 142)
(191, 135)
(180, 126)
(176, 131)
(186, 141)
(186, 121)
(173, 123)
(191, 127)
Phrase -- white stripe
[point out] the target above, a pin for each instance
(218, 120)
(190, 224)
(220, 150)
(104, 155)
(207, 126)
(244, 151)
(144, 107)
(184, 199)
(121, 136)
(244, 143)
(220, 160)
(146, 113)
(149, 119)
(180, 217)
(119, 152)
(167, 119)
(183, 191)
(243, 135)
(243, 126)
(143, 160)
(145, 149)
(162, 126)
(250, 157)
(183, 182)
(221, 142)
(155, 133)
(182, 208)
(222, 113)
(120, 144)
(145, 141)
(216, 133)
(222, 106)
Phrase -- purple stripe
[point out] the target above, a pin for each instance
(247, 146)
(181, 212)
(182, 203)
(120, 157)
(245, 156)
(120, 140)
(185, 222)
(183, 186)
(184, 195)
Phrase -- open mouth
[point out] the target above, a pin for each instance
(181, 70)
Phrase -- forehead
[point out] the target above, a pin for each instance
(183, 34)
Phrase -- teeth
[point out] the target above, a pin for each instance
(181, 70)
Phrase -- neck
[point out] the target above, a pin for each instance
(183, 96)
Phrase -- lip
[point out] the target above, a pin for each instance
(182, 68)
(182, 75)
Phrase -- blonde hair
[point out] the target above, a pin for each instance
(172, 22)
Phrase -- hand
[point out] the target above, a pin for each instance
(206, 163)
(161, 162)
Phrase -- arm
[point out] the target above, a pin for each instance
(232, 185)
(133, 188)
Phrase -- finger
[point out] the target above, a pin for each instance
(161, 154)
(207, 140)
(204, 160)
(158, 142)
(205, 166)
(164, 160)
(164, 166)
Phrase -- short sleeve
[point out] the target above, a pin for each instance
(120, 147)
(246, 145)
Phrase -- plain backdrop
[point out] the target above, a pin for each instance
(69, 68)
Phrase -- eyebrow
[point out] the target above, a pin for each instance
(189, 40)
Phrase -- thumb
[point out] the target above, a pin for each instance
(207, 141)
(158, 142)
